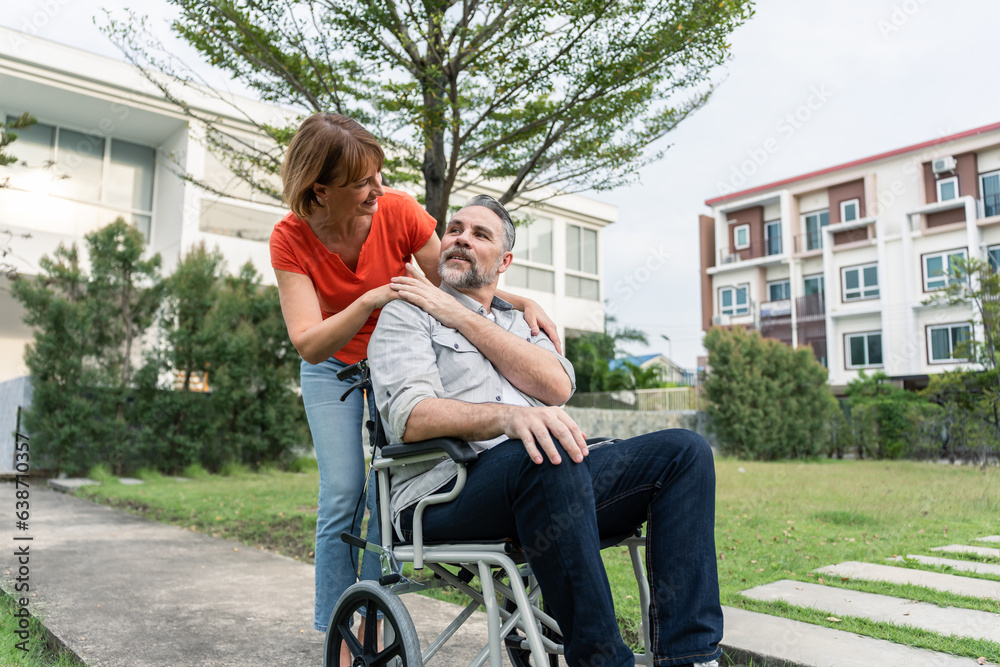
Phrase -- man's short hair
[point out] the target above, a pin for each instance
(492, 204)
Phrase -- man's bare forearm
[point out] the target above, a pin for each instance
(532, 369)
(446, 417)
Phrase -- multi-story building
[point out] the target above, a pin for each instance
(849, 259)
(108, 144)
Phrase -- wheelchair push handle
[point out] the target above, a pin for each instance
(360, 370)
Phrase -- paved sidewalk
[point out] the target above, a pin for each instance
(122, 591)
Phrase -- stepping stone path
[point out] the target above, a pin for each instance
(784, 641)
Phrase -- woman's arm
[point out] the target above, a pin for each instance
(534, 315)
(427, 259)
(317, 339)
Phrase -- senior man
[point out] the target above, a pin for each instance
(458, 361)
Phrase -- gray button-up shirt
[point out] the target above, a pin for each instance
(414, 357)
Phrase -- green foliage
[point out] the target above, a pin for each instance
(90, 406)
(591, 354)
(881, 412)
(766, 400)
(533, 93)
(8, 135)
(976, 389)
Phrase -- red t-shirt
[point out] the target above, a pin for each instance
(400, 227)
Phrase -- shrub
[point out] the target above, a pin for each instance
(766, 400)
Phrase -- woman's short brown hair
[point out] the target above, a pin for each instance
(328, 147)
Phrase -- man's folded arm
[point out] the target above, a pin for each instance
(534, 366)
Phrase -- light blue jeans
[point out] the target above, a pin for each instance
(336, 433)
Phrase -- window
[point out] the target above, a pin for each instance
(993, 254)
(581, 249)
(734, 300)
(779, 290)
(534, 246)
(535, 241)
(529, 277)
(863, 350)
(741, 237)
(941, 269)
(947, 188)
(581, 256)
(989, 185)
(88, 168)
(772, 237)
(814, 224)
(813, 285)
(943, 341)
(849, 210)
(859, 282)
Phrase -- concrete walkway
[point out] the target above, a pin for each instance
(122, 591)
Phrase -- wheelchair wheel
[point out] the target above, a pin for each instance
(521, 657)
(400, 646)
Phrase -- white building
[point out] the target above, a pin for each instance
(113, 147)
(846, 259)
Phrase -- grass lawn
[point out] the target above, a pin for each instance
(38, 654)
(773, 521)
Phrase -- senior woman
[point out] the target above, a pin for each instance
(333, 256)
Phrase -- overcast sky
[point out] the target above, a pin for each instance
(817, 82)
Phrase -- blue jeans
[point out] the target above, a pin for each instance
(558, 513)
(336, 433)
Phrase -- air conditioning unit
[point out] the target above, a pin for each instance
(729, 259)
(720, 321)
(944, 165)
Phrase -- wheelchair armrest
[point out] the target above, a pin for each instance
(459, 450)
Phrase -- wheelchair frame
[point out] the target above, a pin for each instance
(519, 624)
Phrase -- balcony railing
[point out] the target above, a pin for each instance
(809, 241)
(810, 306)
(756, 249)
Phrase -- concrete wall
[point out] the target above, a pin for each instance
(13, 393)
(627, 423)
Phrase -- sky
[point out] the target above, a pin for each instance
(818, 83)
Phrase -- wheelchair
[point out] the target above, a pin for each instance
(515, 611)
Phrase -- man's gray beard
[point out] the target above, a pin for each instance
(471, 278)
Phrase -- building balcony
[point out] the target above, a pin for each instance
(809, 242)
(765, 252)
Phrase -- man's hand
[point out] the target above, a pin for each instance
(535, 427)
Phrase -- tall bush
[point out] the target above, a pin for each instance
(766, 400)
(882, 414)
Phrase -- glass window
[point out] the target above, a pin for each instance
(945, 341)
(813, 285)
(947, 188)
(581, 249)
(849, 210)
(79, 163)
(734, 300)
(860, 282)
(535, 241)
(34, 145)
(130, 176)
(772, 237)
(741, 237)
(864, 350)
(994, 257)
(583, 288)
(990, 187)
(530, 278)
(814, 224)
(779, 290)
(941, 269)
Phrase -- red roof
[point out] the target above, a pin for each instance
(873, 158)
